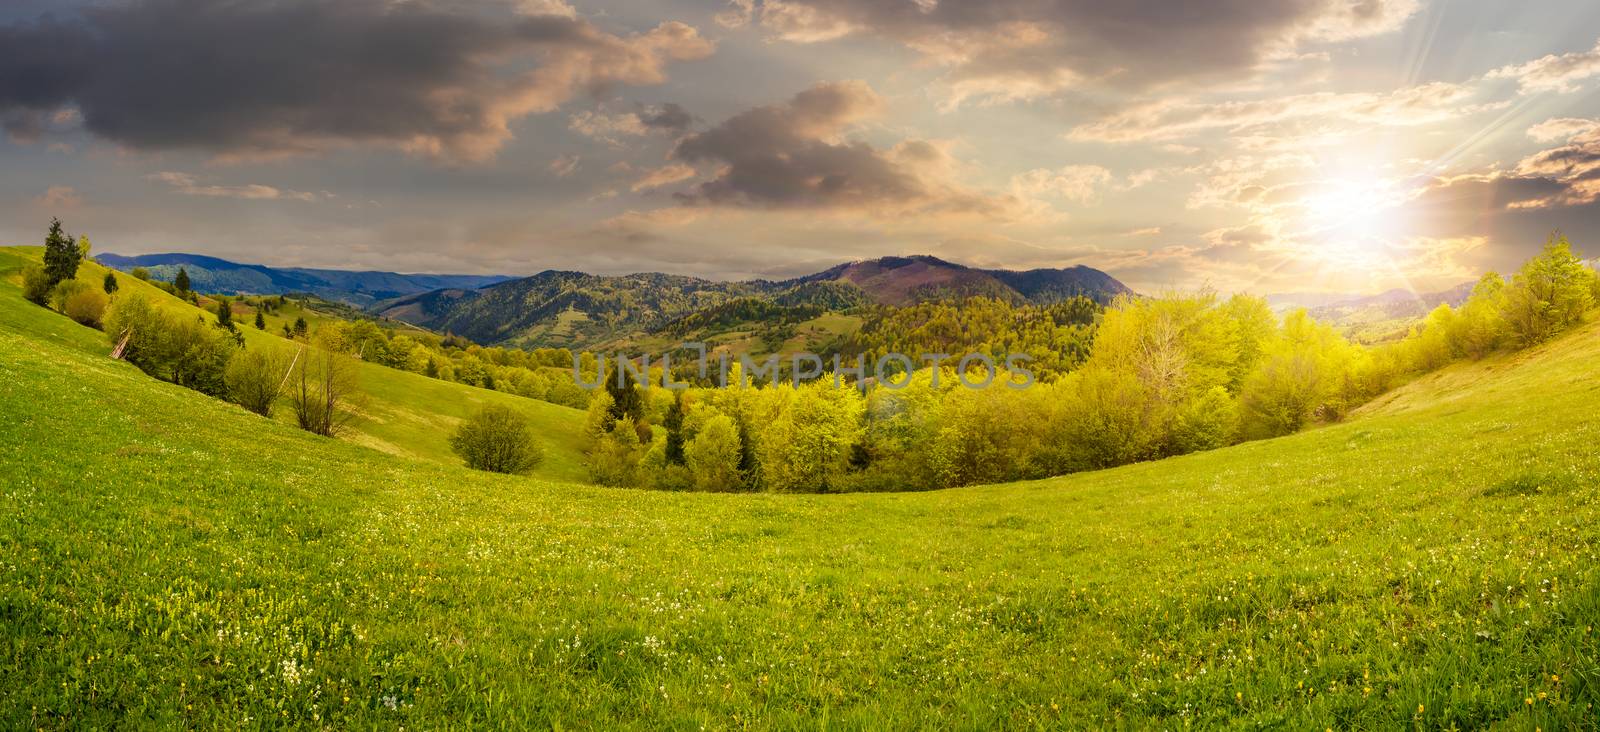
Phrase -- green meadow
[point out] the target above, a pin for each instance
(171, 560)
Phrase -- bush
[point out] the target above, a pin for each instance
(253, 378)
(184, 351)
(713, 455)
(110, 283)
(1551, 293)
(499, 440)
(36, 285)
(63, 290)
(87, 306)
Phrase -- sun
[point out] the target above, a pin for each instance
(1353, 220)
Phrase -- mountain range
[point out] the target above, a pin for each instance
(556, 308)
(362, 288)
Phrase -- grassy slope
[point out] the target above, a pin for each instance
(1433, 562)
(401, 413)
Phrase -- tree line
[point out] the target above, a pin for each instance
(1159, 376)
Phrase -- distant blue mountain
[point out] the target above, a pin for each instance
(213, 275)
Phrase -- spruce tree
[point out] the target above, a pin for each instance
(61, 254)
(182, 280)
(261, 322)
(110, 284)
(626, 401)
(674, 424)
(224, 314)
(300, 327)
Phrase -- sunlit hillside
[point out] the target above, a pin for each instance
(168, 559)
(400, 413)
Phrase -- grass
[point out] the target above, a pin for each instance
(1430, 563)
(400, 413)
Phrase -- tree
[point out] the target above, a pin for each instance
(110, 283)
(182, 280)
(497, 439)
(261, 321)
(614, 460)
(713, 455)
(141, 274)
(300, 327)
(1549, 294)
(254, 377)
(224, 314)
(321, 388)
(61, 254)
(673, 423)
(626, 401)
(199, 355)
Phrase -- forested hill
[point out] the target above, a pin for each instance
(573, 309)
(213, 275)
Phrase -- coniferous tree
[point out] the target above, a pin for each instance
(300, 327)
(626, 402)
(261, 322)
(110, 284)
(182, 280)
(61, 254)
(225, 314)
(674, 424)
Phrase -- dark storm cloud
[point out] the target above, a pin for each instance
(1021, 48)
(792, 156)
(269, 77)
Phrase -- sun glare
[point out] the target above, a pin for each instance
(1354, 220)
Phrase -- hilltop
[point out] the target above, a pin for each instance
(175, 561)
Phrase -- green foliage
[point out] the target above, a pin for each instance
(141, 274)
(497, 439)
(181, 282)
(673, 423)
(110, 283)
(1549, 294)
(168, 346)
(61, 254)
(713, 455)
(261, 321)
(85, 305)
(225, 314)
(36, 285)
(614, 459)
(254, 378)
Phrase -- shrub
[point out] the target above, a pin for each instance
(63, 290)
(499, 440)
(141, 274)
(87, 306)
(36, 285)
(110, 283)
(253, 378)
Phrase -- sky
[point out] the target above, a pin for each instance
(1286, 146)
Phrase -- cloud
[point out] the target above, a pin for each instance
(669, 119)
(795, 155)
(60, 198)
(1077, 183)
(1562, 128)
(1563, 74)
(1168, 120)
(662, 176)
(564, 165)
(304, 76)
(189, 185)
(1003, 50)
